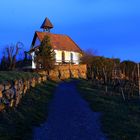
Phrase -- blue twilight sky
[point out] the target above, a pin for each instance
(110, 27)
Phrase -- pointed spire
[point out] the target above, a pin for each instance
(47, 25)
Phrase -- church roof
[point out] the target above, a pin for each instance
(58, 41)
(47, 24)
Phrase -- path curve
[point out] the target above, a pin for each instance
(70, 117)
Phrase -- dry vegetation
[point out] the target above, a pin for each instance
(120, 119)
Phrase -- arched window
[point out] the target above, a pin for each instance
(71, 57)
(63, 57)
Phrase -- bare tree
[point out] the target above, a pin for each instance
(10, 56)
(87, 58)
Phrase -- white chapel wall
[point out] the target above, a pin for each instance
(37, 43)
(33, 62)
(76, 56)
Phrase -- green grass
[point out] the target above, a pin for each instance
(15, 75)
(18, 123)
(120, 120)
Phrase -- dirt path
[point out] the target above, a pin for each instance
(69, 117)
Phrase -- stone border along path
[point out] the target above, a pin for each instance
(70, 117)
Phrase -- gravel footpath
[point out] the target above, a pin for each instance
(70, 117)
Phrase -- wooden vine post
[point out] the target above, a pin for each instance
(139, 78)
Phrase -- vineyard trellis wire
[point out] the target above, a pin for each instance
(115, 77)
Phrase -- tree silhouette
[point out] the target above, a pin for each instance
(45, 55)
(9, 58)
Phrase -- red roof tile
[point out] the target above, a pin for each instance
(59, 42)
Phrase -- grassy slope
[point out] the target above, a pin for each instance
(15, 75)
(17, 124)
(120, 121)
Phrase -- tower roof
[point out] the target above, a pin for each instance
(47, 24)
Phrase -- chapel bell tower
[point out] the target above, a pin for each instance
(47, 25)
